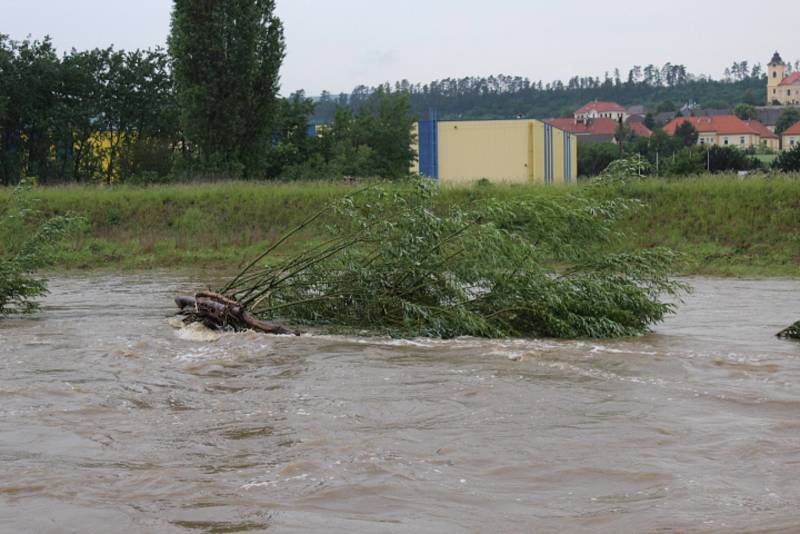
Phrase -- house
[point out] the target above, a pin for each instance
(665, 117)
(513, 151)
(791, 137)
(601, 110)
(769, 138)
(782, 89)
(726, 130)
(597, 130)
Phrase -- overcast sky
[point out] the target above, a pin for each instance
(339, 44)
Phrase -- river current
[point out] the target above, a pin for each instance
(111, 420)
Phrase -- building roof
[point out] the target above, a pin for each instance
(601, 107)
(761, 130)
(776, 59)
(794, 130)
(663, 117)
(593, 127)
(597, 127)
(640, 129)
(769, 115)
(720, 124)
(791, 79)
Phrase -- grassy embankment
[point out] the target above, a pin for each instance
(725, 226)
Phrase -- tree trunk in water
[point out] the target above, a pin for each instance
(219, 312)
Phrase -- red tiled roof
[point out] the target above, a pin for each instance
(791, 79)
(640, 129)
(602, 107)
(597, 127)
(761, 130)
(794, 130)
(720, 124)
(594, 127)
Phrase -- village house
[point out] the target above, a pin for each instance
(727, 130)
(782, 89)
(791, 137)
(601, 110)
(599, 122)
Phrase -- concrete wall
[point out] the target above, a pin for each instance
(790, 141)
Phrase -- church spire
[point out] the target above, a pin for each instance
(777, 59)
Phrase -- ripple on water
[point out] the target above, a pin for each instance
(134, 424)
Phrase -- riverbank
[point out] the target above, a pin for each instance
(725, 226)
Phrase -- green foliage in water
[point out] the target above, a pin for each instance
(792, 332)
(397, 265)
(25, 249)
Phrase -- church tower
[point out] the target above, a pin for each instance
(776, 70)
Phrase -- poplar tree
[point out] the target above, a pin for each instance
(226, 60)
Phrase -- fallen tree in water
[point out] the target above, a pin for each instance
(793, 332)
(394, 262)
(220, 313)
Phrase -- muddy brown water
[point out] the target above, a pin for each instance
(112, 421)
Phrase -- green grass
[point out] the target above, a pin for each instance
(725, 225)
(767, 159)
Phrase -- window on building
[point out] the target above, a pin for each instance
(741, 140)
(774, 74)
(726, 140)
(774, 91)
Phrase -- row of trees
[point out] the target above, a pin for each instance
(208, 106)
(503, 95)
(102, 114)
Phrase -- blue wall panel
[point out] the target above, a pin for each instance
(429, 149)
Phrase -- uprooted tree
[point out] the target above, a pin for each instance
(398, 262)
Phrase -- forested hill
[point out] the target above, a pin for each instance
(512, 96)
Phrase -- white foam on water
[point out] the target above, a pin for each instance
(198, 332)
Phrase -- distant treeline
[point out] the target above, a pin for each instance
(504, 96)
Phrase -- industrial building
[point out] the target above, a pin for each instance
(512, 151)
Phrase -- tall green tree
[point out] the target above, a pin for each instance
(226, 60)
(687, 133)
(746, 112)
(30, 88)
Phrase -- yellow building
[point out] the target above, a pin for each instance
(512, 151)
(782, 89)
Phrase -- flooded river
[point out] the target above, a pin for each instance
(113, 421)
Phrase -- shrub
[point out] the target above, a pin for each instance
(23, 252)
(788, 161)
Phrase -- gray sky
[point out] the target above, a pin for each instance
(339, 44)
